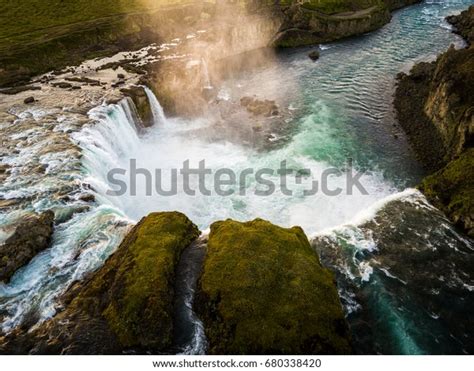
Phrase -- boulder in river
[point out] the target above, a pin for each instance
(258, 107)
(264, 291)
(127, 305)
(32, 235)
(314, 55)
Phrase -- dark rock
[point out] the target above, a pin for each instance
(84, 80)
(29, 100)
(88, 197)
(314, 55)
(434, 106)
(32, 235)
(19, 89)
(264, 291)
(121, 76)
(62, 85)
(127, 305)
(138, 96)
(260, 107)
(464, 24)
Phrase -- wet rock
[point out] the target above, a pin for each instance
(4, 204)
(127, 305)
(19, 89)
(258, 107)
(314, 55)
(264, 291)
(84, 80)
(142, 104)
(32, 235)
(29, 100)
(62, 85)
(87, 197)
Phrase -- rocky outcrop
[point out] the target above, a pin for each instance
(304, 26)
(264, 291)
(141, 103)
(451, 189)
(259, 107)
(435, 106)
(126, 306)
(31, 236)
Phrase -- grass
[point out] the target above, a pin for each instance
(26, 16)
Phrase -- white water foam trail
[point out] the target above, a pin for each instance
(156, 108)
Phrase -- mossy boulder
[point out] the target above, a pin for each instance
(451, 189)
(127, 305)
(264, 291)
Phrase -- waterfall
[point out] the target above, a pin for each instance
(156, 108)
(205, 73)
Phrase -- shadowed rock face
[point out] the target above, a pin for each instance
(32, 235)
(435, 107)
(263, 291)
(125, 306)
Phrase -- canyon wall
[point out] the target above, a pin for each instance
(435, 106)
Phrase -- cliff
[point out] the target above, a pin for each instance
(435, 106)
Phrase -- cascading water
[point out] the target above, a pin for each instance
(205, 73)
(342, 109)
(156, 109)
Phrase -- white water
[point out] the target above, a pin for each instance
(114, 141)
(158, 113)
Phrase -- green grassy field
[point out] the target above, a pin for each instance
(26, 16)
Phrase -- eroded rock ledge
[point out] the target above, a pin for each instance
(435, 106)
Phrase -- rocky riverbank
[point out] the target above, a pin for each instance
(307, 24)
(435, 104)
(262, 290)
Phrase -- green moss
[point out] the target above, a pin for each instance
(263, 291)
(451, 189)
(134, 289)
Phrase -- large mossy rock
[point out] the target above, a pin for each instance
(264, 291)
(126, 306)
